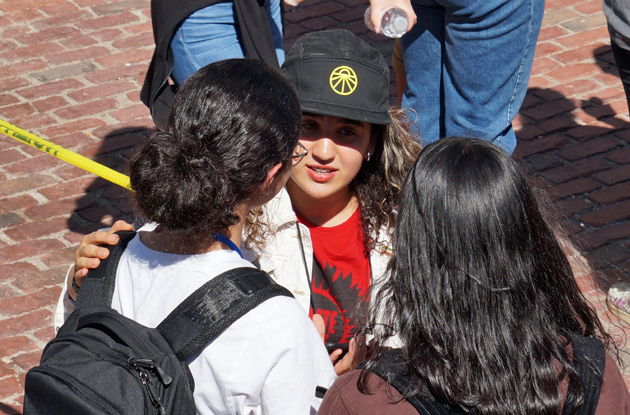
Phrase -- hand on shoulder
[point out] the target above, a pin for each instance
(89, 253)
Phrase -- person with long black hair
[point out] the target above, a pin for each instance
(483, 302)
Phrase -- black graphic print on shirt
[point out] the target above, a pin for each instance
(335, 302)
(341, 276)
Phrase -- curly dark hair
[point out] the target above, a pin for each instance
(221, 139)
(377, 185)
(479, 290)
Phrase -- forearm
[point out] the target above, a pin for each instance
(65, 304)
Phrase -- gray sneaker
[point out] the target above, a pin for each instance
(618, 300)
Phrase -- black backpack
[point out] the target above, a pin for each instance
(589, 363)
(103, 363)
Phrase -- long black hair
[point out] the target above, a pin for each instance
(229, 124)
(479, 291)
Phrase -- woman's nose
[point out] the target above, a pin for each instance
(323, 150)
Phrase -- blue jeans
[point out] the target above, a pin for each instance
(468, 64)
(211, 34)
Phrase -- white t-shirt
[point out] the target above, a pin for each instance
(268, 362)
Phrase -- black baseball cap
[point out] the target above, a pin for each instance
(336, 73)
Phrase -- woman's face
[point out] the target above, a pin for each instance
(336, 150)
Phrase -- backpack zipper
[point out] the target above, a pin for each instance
(153, 395)
(137, 363)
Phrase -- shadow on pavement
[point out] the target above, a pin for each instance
(105, 202)
(575, 148)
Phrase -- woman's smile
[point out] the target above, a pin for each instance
(320, 174)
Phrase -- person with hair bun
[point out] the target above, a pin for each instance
(226, 148)
(483, 301)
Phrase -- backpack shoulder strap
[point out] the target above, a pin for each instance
(589, 361)
(213, 307)
(98, 285)
(394, 371)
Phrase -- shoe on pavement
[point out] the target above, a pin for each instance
(618, 300)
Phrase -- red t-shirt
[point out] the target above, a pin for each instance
(341, 275)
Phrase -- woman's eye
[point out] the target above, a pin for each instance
(308, 129)
(347, 132)
(308, 126)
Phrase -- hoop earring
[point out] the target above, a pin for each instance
(368, 156)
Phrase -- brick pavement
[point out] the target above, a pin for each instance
(71, 71)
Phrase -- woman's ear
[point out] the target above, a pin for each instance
(271, 176)
(371, 146)
(375, 135)
(273, 183)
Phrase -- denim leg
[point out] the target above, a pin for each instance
(422, 56)
(208, 35)
(488, 51)
(272, 7)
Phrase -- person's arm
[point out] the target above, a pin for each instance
(614, 397)
(282, 362)
(345, 398)
(333, 403)
(300, 368)
(379, 5)
(65, 305)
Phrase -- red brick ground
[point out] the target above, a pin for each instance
(71, 70)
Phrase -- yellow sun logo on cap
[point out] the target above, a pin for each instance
(343, 80)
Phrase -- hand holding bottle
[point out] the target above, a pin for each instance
(378, 9)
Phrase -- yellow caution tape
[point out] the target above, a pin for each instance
(65, 155)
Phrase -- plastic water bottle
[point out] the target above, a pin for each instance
(394, 21)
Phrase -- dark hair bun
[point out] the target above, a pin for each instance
(178, 185)
(229, 124)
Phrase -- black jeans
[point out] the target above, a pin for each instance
(622, 59)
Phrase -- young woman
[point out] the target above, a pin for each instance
(223, 152)
(326, 237)
(483, 301)
(330, 231)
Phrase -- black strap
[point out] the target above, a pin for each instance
(308, 276)
(203, 315)
(256, 37)
(589, 362)
(320, 392)
(98, 285)
(213, 307)
(392, 368)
